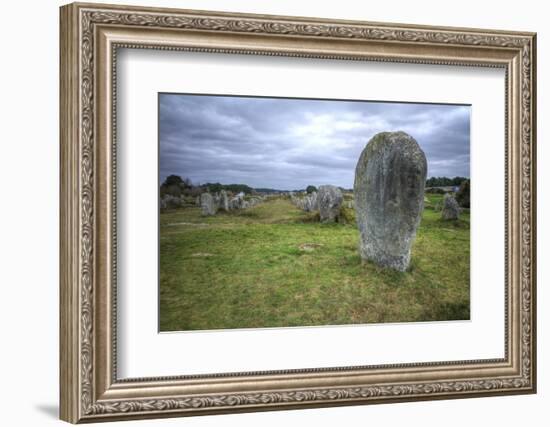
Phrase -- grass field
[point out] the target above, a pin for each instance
(273, 265)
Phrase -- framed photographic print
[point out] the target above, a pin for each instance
(266, 212)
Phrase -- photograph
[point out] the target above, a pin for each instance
(288, 212)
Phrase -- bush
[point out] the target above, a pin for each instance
(310, 217)
(463, 194)
(347, 216)
(310, 189)
(170, 202)
(172, 180)
(172, 190)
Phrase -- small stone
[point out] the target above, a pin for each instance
(170, 202)
(314, 201)
(451, 210)
(309, 247)
(330, 200)
(224, 202)
(237, 202)
(208, 204)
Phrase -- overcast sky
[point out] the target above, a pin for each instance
(291, 143)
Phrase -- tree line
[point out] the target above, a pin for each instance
(443, 181)
(177, 186)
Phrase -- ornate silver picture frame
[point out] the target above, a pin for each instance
(91, 36)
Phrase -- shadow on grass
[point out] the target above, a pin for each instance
(448, 311)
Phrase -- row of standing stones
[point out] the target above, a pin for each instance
(389, 185)
(328, 200)
(211, 204)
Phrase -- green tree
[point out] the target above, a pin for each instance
(443, 181)
(310, 189)
(172, 180)
(175, 186)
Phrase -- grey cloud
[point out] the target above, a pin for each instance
(290, 143)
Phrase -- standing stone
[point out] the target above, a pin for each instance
(293, 199)
(224, 201)
(450, 210)
(235, 203)
(389, 198)
(208, 204)
(314, 201)
(329, 199)
(170, 202)
(307, 204)
(217, 201)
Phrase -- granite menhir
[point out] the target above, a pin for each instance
(389, 198)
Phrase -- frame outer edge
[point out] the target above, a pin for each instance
(77, 343)
(533, 175)
(69, 355)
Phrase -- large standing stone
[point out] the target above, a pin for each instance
(450, 210)
(329, 199)
(208, 204)
(389, 198)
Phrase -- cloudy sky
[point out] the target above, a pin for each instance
(291, 143)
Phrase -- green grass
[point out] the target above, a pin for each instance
(273, 265)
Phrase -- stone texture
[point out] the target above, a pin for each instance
(389, 198)
(451, 210)
(306, 203)
(237, 202)
(224, 201)
(313, 201)
(234, 203)
(329, 199)
(170, 202)
(208, 204)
